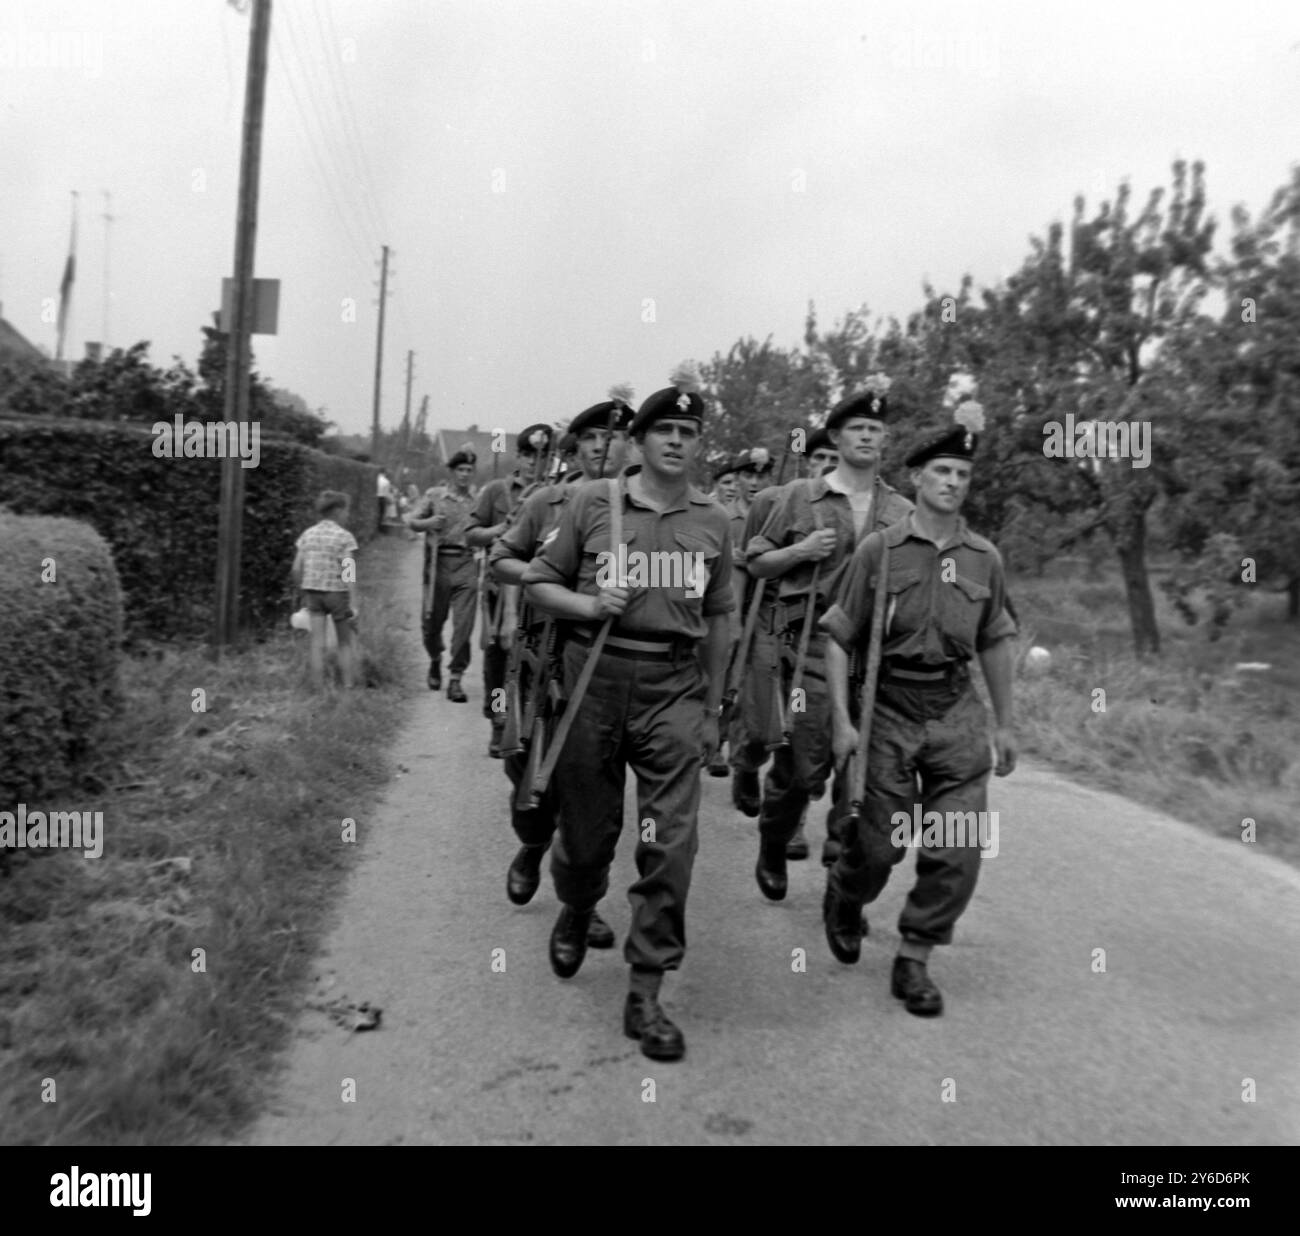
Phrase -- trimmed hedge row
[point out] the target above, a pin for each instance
(160, 515)
(60, 648)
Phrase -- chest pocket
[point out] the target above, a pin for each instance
(961, 606)
(700, 556)
(904, 605)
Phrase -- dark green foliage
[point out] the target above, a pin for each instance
(160, 515)
(60, 646)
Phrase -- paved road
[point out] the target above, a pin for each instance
(1199, 993)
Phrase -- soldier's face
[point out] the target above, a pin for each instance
(591, 449)
(750, 483)
(942, 484)
(860, 441)
(669, 448)
(527, 466)
(727, 487)
(461, 474)
(821, 459)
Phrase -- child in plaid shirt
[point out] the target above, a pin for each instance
(325, 570)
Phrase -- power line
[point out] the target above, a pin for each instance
(347, 181)
(317, 161)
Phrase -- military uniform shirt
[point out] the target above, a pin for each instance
(697, 526)
(929, 620)
(796, 514)
(496, 500)
(536, 517)
(443, 501)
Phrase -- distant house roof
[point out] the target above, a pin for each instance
(13, 346)
(446, 442)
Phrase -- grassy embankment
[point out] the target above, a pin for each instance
(1186, 733)
(222, 832)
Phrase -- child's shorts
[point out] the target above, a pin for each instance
(332, 603)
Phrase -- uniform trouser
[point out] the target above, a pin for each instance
(535, 826)
(454, 590)
(799, 771)
(939, 739)
(647, 714)
(752, 723)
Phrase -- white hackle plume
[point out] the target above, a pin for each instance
(877, 384)
(970, 416)
(961, 386)
(622, 392)
(686, 377)
(759, 456)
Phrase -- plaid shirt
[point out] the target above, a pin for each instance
(323, 547)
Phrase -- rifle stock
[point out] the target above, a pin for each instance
(857, 769)
(542, 780)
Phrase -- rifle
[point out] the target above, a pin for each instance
(857, 770)
(537, 787)
(740, 653)
(431, 545)
(534, 719)
(804, 635)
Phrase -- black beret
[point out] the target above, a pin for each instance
(757, 459)
(680, 401)
(530, 443)
(597, 417)
(568, 443)
(870, 404)
(959, 442)
(462, 457)
(820, 441)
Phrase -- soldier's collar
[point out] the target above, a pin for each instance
(906, 528)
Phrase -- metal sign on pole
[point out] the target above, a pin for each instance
(226, 618)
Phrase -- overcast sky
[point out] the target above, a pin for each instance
(579, 192)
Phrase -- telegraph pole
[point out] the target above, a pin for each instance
(406, 416)
(379, 357)
(230, 528)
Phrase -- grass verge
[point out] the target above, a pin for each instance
(223, 831)
(1188, 733)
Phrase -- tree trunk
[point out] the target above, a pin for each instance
(1293, 598)
(1131, 544)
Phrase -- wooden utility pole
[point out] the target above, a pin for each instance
(230, 529)
(406, 416)
(379, 357)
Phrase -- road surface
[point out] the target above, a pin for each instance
(1196, 1009)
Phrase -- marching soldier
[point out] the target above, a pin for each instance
(929, 741)
(497, 501)
(599, 437)
(448, 571)
(749, 469)
(806, 541)
(652, 702)
(756, 728)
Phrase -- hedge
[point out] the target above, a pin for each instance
(160, 515)
(60, 646)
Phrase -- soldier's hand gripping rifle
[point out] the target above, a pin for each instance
(740, 653)
(857, 769)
